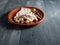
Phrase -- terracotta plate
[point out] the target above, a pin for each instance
(14, 11)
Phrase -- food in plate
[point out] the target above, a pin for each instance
(26, 16)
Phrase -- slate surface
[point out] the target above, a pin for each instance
(46, 33)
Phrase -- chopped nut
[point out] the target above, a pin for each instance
(27, 21)
(34, 9)
(17, 20)
(21, 20)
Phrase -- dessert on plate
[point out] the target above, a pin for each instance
(26, 15)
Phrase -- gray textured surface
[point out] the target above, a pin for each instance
(46, 33)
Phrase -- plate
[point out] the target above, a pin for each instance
(14, 11)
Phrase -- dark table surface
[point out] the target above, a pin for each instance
(46, 33)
